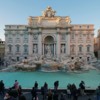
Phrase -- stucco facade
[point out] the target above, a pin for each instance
(49, 36)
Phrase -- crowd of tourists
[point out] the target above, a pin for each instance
(72, 92)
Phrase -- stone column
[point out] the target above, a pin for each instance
(68, 44)
(42, 48)
(40, 44)
(54, 49)
(58, 44)
(30, 44)
(92, 42)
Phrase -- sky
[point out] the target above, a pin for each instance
(15, 12)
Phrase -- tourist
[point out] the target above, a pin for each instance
(56, 84)
(22, 97)
(74, 92)
(55, 95)
(36, 85)
(34, 93)
(82, 88)
(19, 91)
(46, 85)
(8, 96)
(62, 97)
(50, 95)
(16, 85)
(69, 91)
(89, 98)
(2, 87)
(98, 93)
(44, 91)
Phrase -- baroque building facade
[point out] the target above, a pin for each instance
(97, 45)
(2, 52)
(49, 36)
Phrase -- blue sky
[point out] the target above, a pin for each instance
(80, 11)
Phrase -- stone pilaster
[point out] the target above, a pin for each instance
(30, 44)
(68, 44)
(58, 44)
(40, 44)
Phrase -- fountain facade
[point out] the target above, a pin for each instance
(49, 39)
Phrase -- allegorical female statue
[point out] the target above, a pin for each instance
(48, 49)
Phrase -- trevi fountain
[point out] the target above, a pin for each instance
(54, 53)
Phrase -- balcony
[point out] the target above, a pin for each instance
(18, 53)
(72, 53)
(80, 53)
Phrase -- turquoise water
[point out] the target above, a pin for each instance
(27, 79)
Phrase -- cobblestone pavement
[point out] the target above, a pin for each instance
(29, 97)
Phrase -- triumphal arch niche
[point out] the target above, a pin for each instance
(49, 34)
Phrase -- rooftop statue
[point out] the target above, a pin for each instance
(30, 21)
(68, 20)
(49, 12)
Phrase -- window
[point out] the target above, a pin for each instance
(72, 36)
(17, 48)
(17, 26)
(87, 26)
(88, 36)
(80, 34)
(25, 38)
(88, 48)
(72, 48)
(10, 48)
(63, 37)
(17, 37)
(88, 58)
(9, 26)
(25, 48)
(10, 40)
(35, 37)
(17, 58)
(80, 48)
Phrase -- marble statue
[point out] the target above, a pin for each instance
(48, 48)
(68, 20)
(49, 12)
(63, 49)
(35, 49)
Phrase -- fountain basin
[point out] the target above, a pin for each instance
(27, 79)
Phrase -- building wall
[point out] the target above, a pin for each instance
(97, 44)
(64, 38)
(2, 52)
